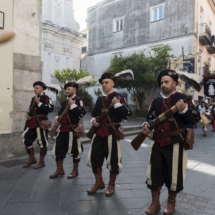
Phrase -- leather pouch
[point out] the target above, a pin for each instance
(78, 131)
(119, 133)
(45, 124)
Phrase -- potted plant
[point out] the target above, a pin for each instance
(207, 65)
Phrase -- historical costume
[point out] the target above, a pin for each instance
(105, 142)
(168, 159)
(212, 109)
(42, 106)
(205, 117)
(66, 140)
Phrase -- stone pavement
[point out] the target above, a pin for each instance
(28, 191)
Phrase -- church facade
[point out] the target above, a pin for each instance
(61, 40)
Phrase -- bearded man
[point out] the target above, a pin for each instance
(66, 140)
(168, 159)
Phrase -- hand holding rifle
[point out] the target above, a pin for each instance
(148, 127)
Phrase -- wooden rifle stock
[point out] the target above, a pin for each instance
(54, 128)
(137, 141)
(92, 130)
(30, 113)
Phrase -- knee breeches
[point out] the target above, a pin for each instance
(105, 147)
(30, 135)
(167, 165)
(67, 143)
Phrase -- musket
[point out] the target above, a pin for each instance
(54, 128)
(30, 113)
(104, 112)
(138, 140)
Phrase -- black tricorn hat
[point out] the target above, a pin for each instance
(168, 72)
(71, 84)
(108, 75)
(40, 83)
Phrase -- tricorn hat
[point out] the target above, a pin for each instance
(40, 83)
(168, 72)
(106, 75)
(71, 84)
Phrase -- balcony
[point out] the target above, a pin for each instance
(211, 48)
(204, 34)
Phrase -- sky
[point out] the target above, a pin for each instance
(80, 11)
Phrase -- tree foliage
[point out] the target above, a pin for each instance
(145, 68)
(65, 75)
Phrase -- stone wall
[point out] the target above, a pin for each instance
(138, 28)
(26, 69)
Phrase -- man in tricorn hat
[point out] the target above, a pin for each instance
(105, 143)
(43, 107)
(66, 141)
(168, 159)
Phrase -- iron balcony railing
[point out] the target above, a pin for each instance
(205, 34)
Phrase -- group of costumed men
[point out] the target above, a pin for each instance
(168, 159)
(207, 113)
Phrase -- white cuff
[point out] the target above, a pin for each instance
(56, 117)
(144, 123)
(73, 106)
(117, 105)
(92, 120)
(39, 104)
(184, 111)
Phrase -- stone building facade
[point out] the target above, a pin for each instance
(20, 67)
(85, 35)
(121, 27)
(61, 40)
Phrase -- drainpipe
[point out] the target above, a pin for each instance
(197, 43)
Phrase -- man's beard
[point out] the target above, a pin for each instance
(167, 91)
(70, 95)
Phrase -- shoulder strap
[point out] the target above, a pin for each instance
(176, 124)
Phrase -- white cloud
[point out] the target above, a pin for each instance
(80, 11)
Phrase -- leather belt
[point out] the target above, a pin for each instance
(104, 125)
(170, 133)
(40, 115)
(70, 126)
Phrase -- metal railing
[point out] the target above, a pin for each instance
(204, 30)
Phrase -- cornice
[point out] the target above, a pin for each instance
(64, 32)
